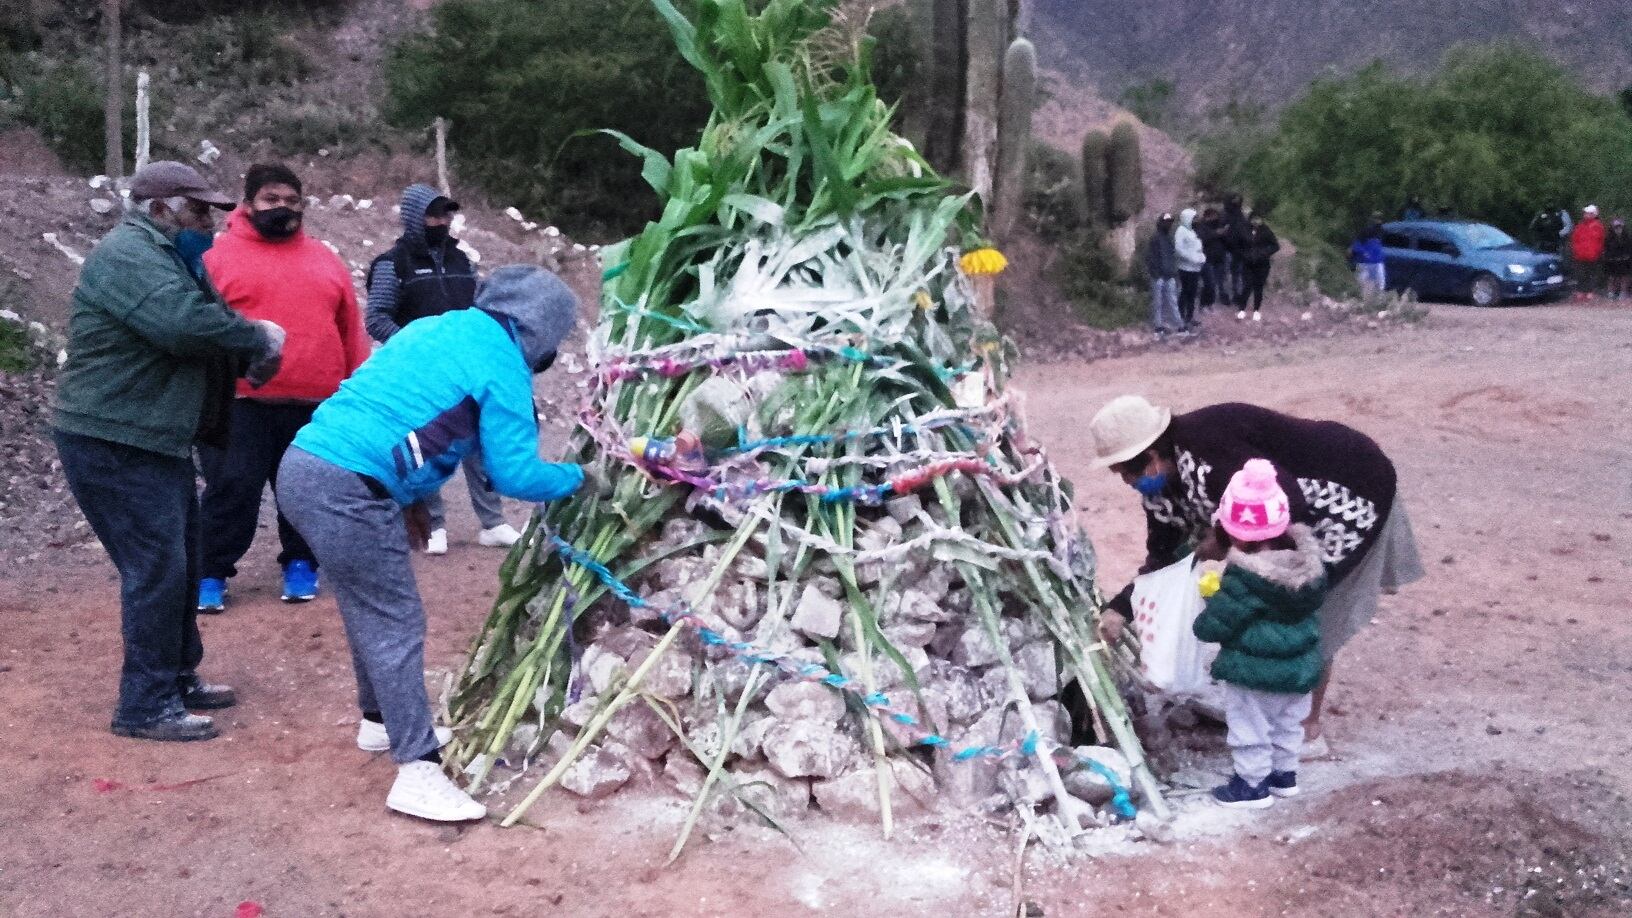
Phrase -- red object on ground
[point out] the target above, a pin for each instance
(249, 909)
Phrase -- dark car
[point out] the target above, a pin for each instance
(1462, 259)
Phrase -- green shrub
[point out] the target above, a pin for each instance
(16, 353)
(245, 50)
(1496, 133)
(1320, 264)
(520, 83)
(1088, 276)
(895, 55)
(62, 99)
(1151, 101)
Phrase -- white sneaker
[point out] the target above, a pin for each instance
(437, 544)
(422, 790)
(371, 737)
(1241, 315)
(503, 535)
(1257, 317)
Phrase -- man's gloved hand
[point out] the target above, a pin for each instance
(263, 368)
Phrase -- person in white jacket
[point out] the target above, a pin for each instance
(1191, 260)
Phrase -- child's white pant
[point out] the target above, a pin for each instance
(1266, 730)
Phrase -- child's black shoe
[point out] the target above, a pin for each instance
(1240, 795)
(1282, 783)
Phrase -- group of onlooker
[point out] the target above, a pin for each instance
(1219, 258)
(250, 348)
(1599, 256)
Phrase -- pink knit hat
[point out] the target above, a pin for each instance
(1254, 507)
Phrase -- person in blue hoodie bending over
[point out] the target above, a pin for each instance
(394, 433)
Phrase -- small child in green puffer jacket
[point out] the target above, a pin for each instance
(1263, 617)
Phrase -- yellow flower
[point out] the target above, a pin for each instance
(982, 262)
(923, 300)
(1208, 584)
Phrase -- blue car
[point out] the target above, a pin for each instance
(1465, 260)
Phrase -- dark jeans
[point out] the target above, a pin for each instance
(1257, 277)
(235, 477)
(143, 506)
(1215, 279)
(1588, 276)
(1237, 269)
(1189, 283)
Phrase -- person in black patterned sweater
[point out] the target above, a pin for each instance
(1340, 484)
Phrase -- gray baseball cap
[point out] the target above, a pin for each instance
(169, 179)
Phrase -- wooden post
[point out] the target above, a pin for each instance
(442, 155)
(113, 100)
(144, 127)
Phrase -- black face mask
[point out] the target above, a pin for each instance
(436, 235)
(277, 223)
(545, 362)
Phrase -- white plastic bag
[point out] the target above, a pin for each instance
(1165, 606)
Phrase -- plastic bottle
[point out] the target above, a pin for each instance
(684, 451)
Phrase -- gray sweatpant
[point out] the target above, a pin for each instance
(484, 500)
(362, 547)
(1266, 730)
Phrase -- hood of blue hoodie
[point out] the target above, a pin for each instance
(416, 199)
(537, 306)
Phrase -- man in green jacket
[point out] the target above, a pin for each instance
(152, 356)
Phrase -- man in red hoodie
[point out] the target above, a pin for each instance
(266, 268)
(1587, 253)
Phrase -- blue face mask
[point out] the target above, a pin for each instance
(1151, 485)
(191, 245)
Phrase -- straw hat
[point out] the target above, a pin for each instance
(1125, 428)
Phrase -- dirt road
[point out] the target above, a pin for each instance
(1483, 733)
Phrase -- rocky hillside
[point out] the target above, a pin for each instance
(1269, 50)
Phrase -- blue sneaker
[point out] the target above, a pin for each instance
(299, 581)
(1282, 783)
(212, 595)
(1240, 795)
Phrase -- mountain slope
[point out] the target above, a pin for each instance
(1268, 50)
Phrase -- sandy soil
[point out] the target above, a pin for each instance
(1482, 732)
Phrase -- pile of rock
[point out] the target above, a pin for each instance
(800, 743)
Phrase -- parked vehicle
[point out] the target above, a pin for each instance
(1463, 259)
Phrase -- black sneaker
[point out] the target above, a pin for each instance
(202, 696)
(1282, 783)
(1238, 794)
(177, 728)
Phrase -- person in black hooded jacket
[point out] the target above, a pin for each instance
(1236, 237)
(425, 274)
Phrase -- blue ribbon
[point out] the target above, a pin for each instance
(815, 672)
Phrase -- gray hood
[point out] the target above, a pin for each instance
(1295, 568)
(540, 307)
(416, 199)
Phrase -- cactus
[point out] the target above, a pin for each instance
(1125, 182)
(915, 111)
(966, 46)
(985, 38)
(1096, 185)
(1014, 132)
(945, 79)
